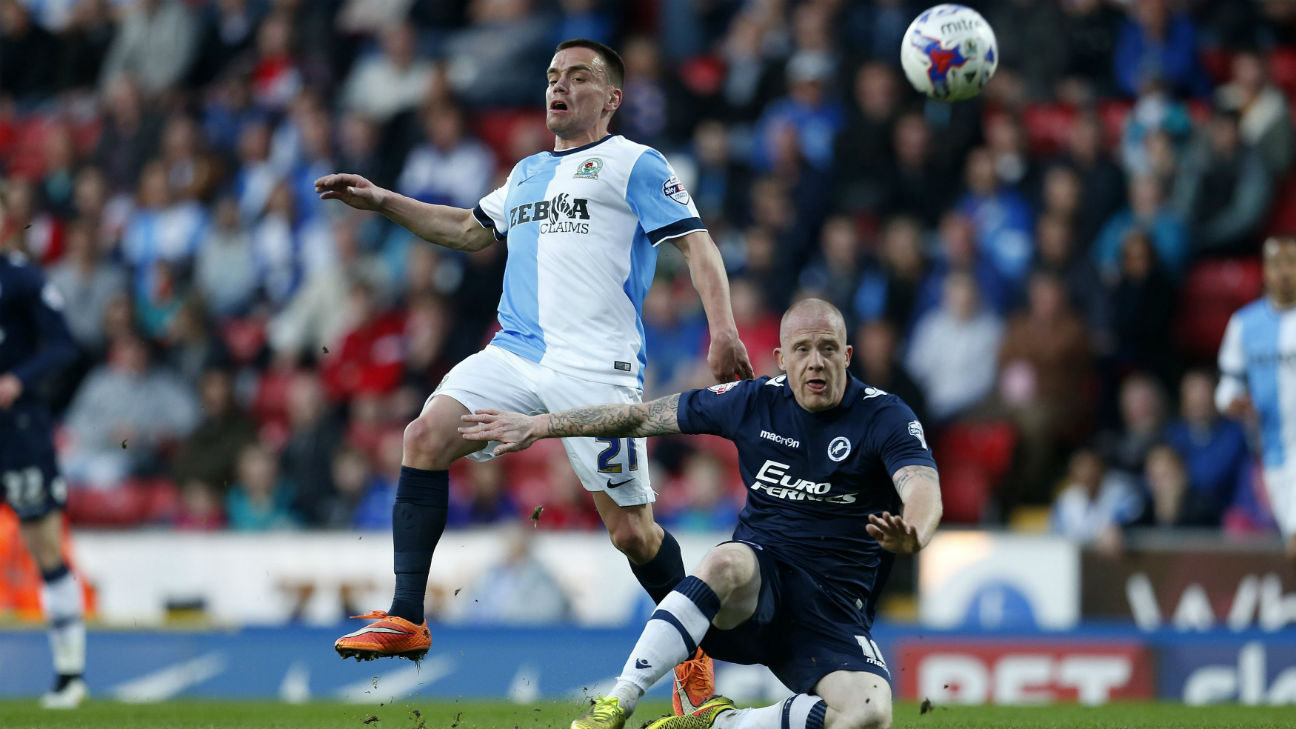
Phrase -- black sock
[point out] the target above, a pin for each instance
(664, 571)
(418, 518)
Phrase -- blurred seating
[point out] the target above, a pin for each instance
(1282, 68)
(244, 337)
(270, 405)
(1047, 127)
(1033, 519)
(1213, 290)
(26, 156)
(1218, 63)
(135, 502)
(965, 492)
(1282, 219)
(1112, 112)
(498, 128)
(974, 458)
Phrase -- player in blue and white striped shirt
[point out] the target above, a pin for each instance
(582, 224)
(1257, 362)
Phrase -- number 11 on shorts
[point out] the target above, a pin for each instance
(872, 653)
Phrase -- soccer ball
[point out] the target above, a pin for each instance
(949, 52)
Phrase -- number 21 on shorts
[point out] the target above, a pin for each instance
(611, 449)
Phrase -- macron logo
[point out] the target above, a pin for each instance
(781, 440)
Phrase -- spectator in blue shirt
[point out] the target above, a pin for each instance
(1001, 217)
(259, 500)
(1156, 44)
(674, 332)
(807, 108)
(958, 252)
(485, 498)
(1213, 448)
(1148, 211)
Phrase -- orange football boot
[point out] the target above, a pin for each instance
(390, 637)
(694, 683)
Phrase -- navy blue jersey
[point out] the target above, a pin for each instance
(813, 478)
(34, 339)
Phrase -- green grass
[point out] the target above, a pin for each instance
(500, 715)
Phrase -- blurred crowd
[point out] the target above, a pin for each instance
(1043, 273)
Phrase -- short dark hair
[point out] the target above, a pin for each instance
(615, 66)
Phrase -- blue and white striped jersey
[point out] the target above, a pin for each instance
(582, 226)
(1258, 357)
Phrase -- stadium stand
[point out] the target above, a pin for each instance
(261, 87)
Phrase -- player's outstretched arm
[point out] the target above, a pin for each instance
(441, 224)
(727, 355)
(919, 489)
(515, 431)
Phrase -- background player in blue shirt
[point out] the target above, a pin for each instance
(839, 479)
(35, 344)
(1257, 361)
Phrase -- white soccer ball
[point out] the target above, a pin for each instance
(949, 52)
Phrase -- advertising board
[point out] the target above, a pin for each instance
(1191, 589)
(1024, 671)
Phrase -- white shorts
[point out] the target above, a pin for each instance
(1280, 484)
(496, 378)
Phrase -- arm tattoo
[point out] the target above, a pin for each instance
(906, 475)
(659, 417)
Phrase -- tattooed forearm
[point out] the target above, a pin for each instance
(919, 489)
(908, 475)
(659, 417)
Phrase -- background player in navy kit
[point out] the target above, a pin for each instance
(35, 344)
(829, 462)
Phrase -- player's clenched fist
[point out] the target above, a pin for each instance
(353, 190)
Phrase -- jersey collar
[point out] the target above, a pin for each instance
(581, 148)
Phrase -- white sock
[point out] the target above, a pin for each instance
(627, 696)
(796, 712)
(671, 634)
(62, 603)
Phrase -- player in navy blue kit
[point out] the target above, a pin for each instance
(34, 344)
(839, 479)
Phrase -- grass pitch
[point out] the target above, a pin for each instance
(500, 715)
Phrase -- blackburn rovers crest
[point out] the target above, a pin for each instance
(589, 169)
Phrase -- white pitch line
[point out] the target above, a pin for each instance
(295, 687)
(397, 684)
(170, 680)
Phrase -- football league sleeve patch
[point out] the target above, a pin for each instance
(899, 437)
(660, 201)
(714, 410)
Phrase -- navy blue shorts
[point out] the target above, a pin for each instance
(29, 477)
(800, 630)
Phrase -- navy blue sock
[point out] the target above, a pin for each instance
(56, 573)
(663, 572)
(418, 518)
